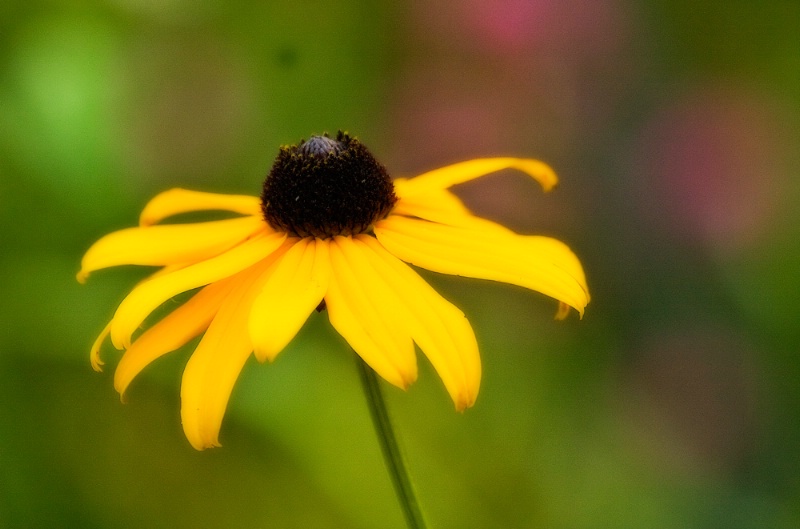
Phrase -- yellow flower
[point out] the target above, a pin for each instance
(331, 230)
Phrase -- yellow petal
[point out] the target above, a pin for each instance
(559, 254)
(296, 285)
(437, 200)
(167, 244)
(538, 263)
(213, 368)
(174, 331)
(178, 200)
(94, 353)
(459, 173)
(360, 279)
(443, 207)
(146, 296)
(440, 329)
(357, 312)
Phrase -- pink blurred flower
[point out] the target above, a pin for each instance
(713, 163)
(511, 27)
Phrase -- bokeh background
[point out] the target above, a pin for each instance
(674, 126)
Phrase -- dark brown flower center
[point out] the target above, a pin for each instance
(325, 187)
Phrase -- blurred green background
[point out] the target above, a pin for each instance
(674, 126)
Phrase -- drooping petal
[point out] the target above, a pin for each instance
(560, 255)
(167, 244)
(459, 173)
(214, 367)
(146, 296)
(176, 201)
(296, 285)
(94, 353)
(174, 331)
(538, 263)
(360, 277)
(440, 329)
(357, 312)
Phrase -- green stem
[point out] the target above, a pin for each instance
(389, 447)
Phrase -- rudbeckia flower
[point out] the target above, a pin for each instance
(331, 231)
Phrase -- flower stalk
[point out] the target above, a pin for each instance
(395, 463)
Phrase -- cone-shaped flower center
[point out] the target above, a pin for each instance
(325, 187)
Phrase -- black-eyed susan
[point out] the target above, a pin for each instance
(331, 230)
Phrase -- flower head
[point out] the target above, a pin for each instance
(331, 230)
